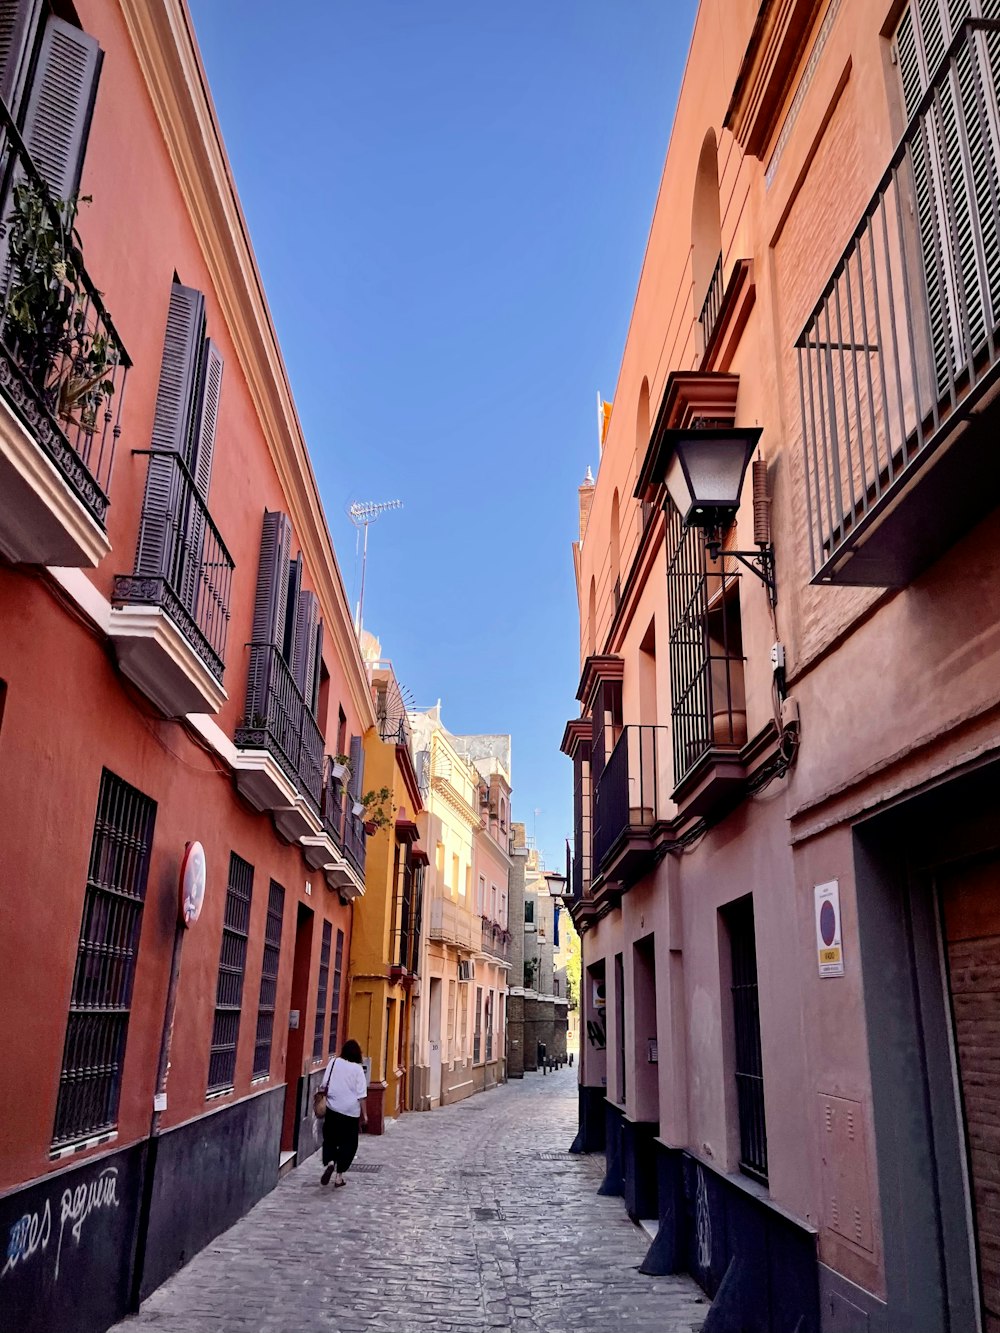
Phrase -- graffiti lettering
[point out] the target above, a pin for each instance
(78, 1204)
(29, 1234)
(597, 1034)
(703, 1222)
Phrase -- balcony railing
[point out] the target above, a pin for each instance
(333, 807)
(712, 304)
(495, 940)
(354, 841)
(181, 563)
(283, 723)
(452, 924)
(62, 363)
(631, 793)
(903, 343)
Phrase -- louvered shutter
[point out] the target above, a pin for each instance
(357, 768)
(199, 451)
(18, 26)
(60, 104)
(313, 698)
(287, 640)
(269, 611)
(303, 662)
(160, 553)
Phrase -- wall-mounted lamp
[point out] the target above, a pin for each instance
(704, 479)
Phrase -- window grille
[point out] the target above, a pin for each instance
(268, 980)
(529, 911)
(477, 1035)
(322, 984)
(232, 965)
(746, 1024)
(101, 998)
(338, 963)
(706, 648)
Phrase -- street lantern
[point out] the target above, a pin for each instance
(705, 474)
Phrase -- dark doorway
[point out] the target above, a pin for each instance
(295, 1051)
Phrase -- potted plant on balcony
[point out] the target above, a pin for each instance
(379, 812)
(69, 364)
(340, 767)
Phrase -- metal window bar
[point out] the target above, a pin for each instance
(192, 578)
(268, 980)
(748, 1070)
(48, 373)
(333, 806)
(706, 649)
(322, 983)
(582, 811)
(338, 964)
(354, 841)
(232, 966)
(477, 1035)
(712, 304)
(905, 338)
(101, 995)
(287, 727)
(629, 792)
(418, 910)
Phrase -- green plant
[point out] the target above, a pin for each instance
(376, 814)
(69, 363)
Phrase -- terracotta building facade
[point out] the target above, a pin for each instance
(178, 672)
(787, 848)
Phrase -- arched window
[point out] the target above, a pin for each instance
(616, 551)
(706, 239)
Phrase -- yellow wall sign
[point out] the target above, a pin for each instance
(828, 944)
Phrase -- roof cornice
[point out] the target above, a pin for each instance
(164, 42)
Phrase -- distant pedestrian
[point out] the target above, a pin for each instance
(346, 1089)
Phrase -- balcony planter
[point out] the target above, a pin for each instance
(340, 768)
(369, 827)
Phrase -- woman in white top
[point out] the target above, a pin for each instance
(346, 1089)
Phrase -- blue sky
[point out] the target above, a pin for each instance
(449, 202)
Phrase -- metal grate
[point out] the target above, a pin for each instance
(366, 1168)
(706, 649)
(338, 965)
(322, 985)
(746, 1015)
(268, 980)
(100, 1001)
(232, 965)
(488, 1214)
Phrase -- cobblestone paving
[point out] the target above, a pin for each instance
(477, 1220)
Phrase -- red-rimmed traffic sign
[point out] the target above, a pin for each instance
(192, 884)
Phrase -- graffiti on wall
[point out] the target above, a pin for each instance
(30, 1234)
(597, 1033)
(703, 1221)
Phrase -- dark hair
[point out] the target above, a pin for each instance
(351, 1051)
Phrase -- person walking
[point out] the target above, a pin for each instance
(346, 1089)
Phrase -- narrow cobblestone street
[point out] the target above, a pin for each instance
(473, 1217)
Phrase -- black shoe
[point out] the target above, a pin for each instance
(325, 1177)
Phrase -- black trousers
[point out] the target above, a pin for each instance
(340, 1139)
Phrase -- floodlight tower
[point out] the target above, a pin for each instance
(361, 515)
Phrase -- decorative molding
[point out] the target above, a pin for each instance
(168, 57)
(157, 656)
(596, 669)
(800, 93)
(768, 70)
(153, 590)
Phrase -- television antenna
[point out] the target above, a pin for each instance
(362, 515)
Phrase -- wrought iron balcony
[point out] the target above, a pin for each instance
(452, 924)
(181, 564)
(712, 304)
(495, 940)
(283, 723)
(899, 358)
(354, 842)
(630, 801)
(62, 373)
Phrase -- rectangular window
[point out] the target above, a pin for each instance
(338, 964)
(620, 1024)
(489, 1025)
(477, 1034)
(481, 900)
(452, 987)
(748, 1066)
(268, 980)
(232, 965)
(322, 984)
(493, 902)
(463, 1005)
(502, 918)
(101, 997)
(529, 911)
(454, 872)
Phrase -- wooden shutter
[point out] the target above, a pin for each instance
(159, 550)
(206, 416)
(269, 610)
(313, 698)
(303, 661)
(294, 580)
(357, 768)
(18, 26)
(60, 105)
